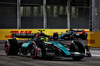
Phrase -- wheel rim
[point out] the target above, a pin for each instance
(34, 52)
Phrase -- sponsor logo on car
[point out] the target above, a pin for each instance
(21, 32)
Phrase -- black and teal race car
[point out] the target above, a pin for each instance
(71, 35)
(40, 45)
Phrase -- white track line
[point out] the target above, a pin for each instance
(95, 55)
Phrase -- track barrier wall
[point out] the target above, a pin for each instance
(94, 39)
(6, 33)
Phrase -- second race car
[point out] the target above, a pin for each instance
(71, 35)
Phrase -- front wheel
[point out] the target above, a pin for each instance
(55, 36)
(11, 47)
(77, 49)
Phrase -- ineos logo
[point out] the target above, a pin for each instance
(21, 32)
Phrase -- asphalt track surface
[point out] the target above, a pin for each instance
(61, 61)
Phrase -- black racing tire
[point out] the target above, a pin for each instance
(66, 37)
(41, 45)
(11, 47)
(77, 46)
(55, 36)
(83, 36)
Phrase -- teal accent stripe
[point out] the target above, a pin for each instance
(61, 47)
(26, 44)
(61, 35)
(76, 33)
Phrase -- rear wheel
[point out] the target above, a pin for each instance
(11, 47)
(38, 49)
(55, 36)
(77, 46)
(66, 37)
(84, 36)
(41, 45)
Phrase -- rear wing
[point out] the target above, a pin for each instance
(23, 35)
